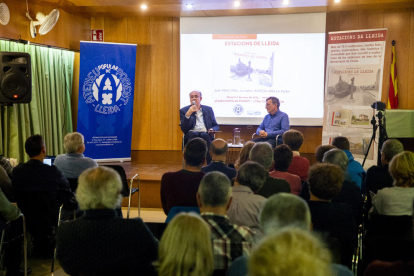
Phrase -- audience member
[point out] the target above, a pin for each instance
(218, 153)
(398, 200)
(12, 240)
(262, 154)
(291, 252)
(282, 155)
(379, 177)
(380, 268)
(299, 165)
(73, 162)
(280, 211)
(100, 243)
(229, 240)
(5, 184)
(354, 167)
(246, 206)
(320, 151)
(180, 188)
(5, 164)
(185, 247)
(244, 154)
(40, 190)
(335, 219)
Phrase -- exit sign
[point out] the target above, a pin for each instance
(97, 35)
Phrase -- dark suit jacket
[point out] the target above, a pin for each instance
(273, 186)
(208, 117)
(102, 244)
(377, 178)
(220, 167)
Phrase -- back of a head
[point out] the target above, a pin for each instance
(185, 247)
(341, 143)
(72, 142)
(293, 138)
(262, 153)
(33, 145)
(284, 210)
(99, 188)
(252, 175)
(282, 155)
(291, 252)
(244, 154)
(215, 189)
(402, 169)
(337, 157)
(195, 152)
(325, 180)
(391, 148)
(320, 151)
(219, 147)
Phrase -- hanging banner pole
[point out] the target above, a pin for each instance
(106, 96)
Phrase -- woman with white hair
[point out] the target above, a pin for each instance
(100, 243)
(73, 162)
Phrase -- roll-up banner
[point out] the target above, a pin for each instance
(354, 71)
(106, 97)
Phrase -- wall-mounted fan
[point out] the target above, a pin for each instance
(46, 22)
(4, 14)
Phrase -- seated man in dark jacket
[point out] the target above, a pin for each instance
(40, 190)
(218, 152)
(100, 243)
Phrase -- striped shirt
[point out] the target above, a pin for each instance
(229, 240)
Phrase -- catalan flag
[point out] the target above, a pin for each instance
(393, 94)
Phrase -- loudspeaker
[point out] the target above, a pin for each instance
(15, 78)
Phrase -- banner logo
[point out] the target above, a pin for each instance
(108, 88)
(238, 109)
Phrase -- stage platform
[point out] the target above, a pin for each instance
(150, 181)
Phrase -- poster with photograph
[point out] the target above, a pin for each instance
(354, 71)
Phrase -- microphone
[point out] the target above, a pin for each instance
(193, 102)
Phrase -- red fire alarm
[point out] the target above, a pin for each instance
(97, 35)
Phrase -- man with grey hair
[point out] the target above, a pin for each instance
(73, 162)
(246, 206)
(218, 152)
(378, 177)
(198, 120)
(229, 240)
(350, 193)
(100, 243)
(262, 154)
(280, 211)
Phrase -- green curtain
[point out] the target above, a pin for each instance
(49, 112)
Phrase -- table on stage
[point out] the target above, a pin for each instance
(234, 151)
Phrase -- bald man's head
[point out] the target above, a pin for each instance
(218, 147)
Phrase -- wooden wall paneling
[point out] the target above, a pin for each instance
(79, 28)
(75, 90)
(176, 133)
(161, 83)
(349, 21)
(139, 33)
(398, 24)
(116, 30)
(410, 89)
(98, 23)
(370, 19)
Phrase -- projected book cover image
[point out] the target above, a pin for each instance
(359, 118)
(356, 85)
(256, 68)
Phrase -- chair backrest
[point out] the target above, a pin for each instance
(178, 209)
(120, 170)
(41, 210)
(73, 183)
(389, 249)
(390, 226)
(156, 228)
